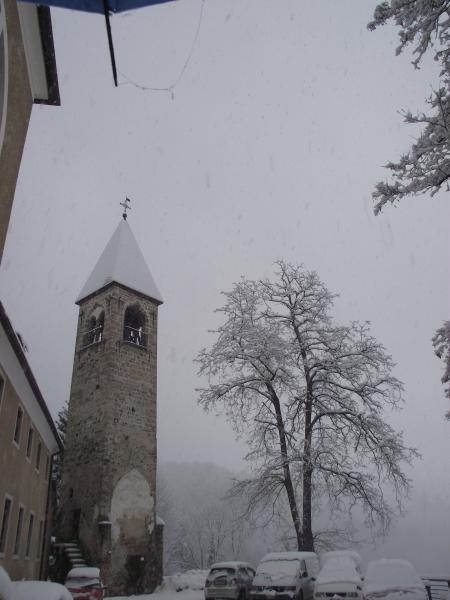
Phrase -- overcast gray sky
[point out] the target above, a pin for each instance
(268, 148)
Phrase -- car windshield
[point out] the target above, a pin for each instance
(221, 571)
(279, 567)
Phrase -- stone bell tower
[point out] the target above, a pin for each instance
(109, 472)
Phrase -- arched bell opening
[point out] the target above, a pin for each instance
(96, 324)
(134, 330)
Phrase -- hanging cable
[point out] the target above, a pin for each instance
(170, 89)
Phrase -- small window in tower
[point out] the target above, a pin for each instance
(94, 332)
(134, 327)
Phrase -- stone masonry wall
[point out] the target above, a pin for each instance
(109, 473)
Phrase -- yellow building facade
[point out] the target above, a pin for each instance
(28, 441)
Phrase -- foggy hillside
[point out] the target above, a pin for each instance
(199, 524)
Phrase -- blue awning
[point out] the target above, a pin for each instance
(104, 7)
(98, 6)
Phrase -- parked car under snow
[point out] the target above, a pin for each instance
(338, 578)
(285, 576)
(229, 580)
(31, 590)
(391, 579)
(350, 554)
(84, 583)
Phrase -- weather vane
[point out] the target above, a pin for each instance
(126, 206)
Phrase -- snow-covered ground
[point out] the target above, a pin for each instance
(182, 586)
(163, 594)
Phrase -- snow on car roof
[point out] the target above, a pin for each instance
(39, 590)
(393, 575)
(338, 569)
(84, 572)
(5, 585)
(288, 556)
(351, 554)
(231, 564)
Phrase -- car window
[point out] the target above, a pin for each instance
(243, 573)
(303, 568)
(289, 568)
(223, 571)
(251, 572)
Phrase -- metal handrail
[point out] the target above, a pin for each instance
(93, 336)
(134, 335)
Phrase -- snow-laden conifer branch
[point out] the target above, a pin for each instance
(424, 24)
(441, 344)
(426, 167)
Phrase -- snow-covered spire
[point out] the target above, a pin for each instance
(122, 262)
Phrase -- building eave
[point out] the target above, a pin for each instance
(120, 285)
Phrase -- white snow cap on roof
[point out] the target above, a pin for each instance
(80, 572)
(123, 262)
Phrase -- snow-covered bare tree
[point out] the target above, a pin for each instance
(423, 24)
(311, 399)
(441, 343)
(250, 373)
(202, 524)
(201, 538)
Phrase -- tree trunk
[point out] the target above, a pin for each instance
(307, 468)
(286, 469)
(308, 540)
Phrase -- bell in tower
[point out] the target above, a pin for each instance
(108, 487)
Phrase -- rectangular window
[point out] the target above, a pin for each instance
(29, 535)
(18, 531)
(38, 456)
(18, 427)
(40, 539)
(30, 442)
(5, 523)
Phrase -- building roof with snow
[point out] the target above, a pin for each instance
(122, 262)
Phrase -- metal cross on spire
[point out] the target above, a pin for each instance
(126, 206)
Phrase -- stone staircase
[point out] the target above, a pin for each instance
(73, 554)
